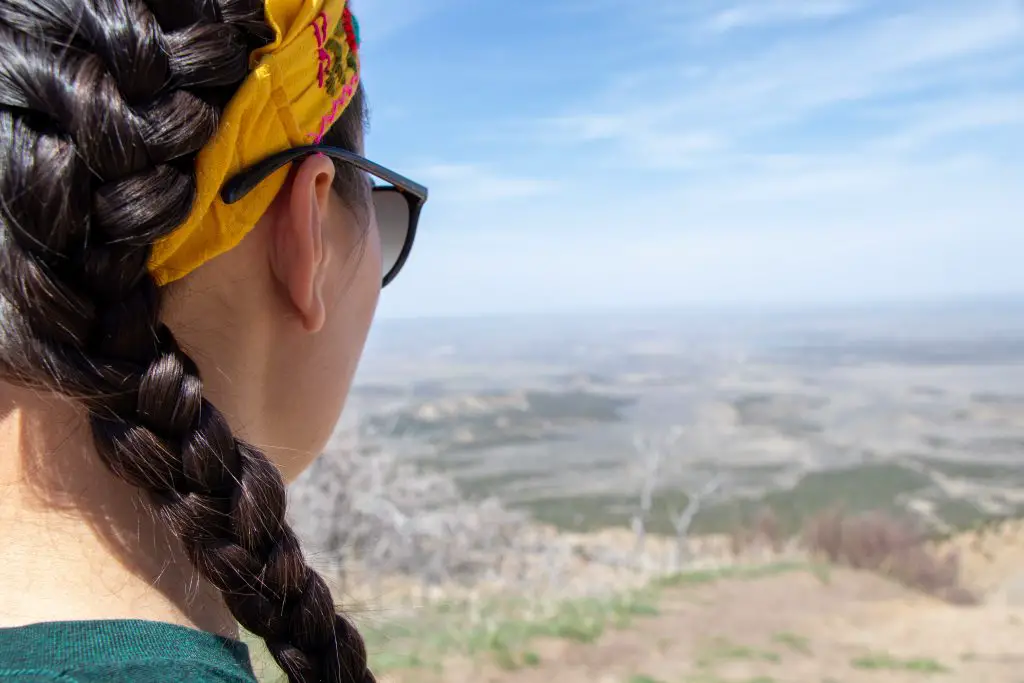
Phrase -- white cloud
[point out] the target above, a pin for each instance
(681, 113)
(927, 124)
(834, 160)
(773, 12)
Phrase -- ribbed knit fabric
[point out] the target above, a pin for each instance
(132, 651)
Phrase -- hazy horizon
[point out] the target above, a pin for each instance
(971, 301)
(543, 409)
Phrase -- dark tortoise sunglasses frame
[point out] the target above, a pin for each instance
(414, 194)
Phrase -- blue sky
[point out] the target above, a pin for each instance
(645, 153)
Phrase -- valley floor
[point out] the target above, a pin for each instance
(797, 627)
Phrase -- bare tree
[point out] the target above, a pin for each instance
(652, 451)
(682, 521)
(362, 501)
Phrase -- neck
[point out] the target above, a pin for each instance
(78, 543)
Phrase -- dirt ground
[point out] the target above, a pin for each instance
(792, 627)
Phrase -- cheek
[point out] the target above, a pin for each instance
(358, 287)
(318, 386)
(351, 304)
(355, 268)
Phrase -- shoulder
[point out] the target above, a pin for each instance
(156, 671)
(33, 676)
(121, 650)
(136, 672)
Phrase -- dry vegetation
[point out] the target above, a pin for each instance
(436, 578)
(361, 505)
(893, 547)
(362, 509)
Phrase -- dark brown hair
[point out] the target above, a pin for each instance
(104, 105)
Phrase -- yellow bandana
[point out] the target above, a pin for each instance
(299, 85)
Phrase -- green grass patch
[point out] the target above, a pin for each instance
(505, 658)
(531, 658)
(398, 660)
(794, 642)
(724, 650)
(500, 629)
(699, 577)
(709, 677)
(643, 678)
(887, 662)
(703, 677)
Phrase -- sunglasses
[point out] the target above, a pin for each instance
(397, 205)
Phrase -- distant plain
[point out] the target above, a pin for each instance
(917, 408)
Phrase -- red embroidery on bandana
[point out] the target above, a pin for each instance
(351, 36)
(330, 67)
(337, 106)
(323, 57)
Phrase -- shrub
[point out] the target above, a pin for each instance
(891, 546)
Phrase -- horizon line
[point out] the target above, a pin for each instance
(925, 301)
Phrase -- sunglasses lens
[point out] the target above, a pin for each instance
(393, 224)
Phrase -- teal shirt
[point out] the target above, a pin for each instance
(120, 650)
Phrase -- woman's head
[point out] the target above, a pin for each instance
(111, 112)
(285, 313)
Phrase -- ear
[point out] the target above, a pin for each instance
(298, 245)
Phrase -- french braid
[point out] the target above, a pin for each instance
(103, 107)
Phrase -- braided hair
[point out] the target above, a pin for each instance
(104, 105)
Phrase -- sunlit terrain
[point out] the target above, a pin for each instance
(728, 497)
(920, 408)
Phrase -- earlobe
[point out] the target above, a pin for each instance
(298, 257)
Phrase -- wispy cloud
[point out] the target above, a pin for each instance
(681, 110)
(926, 125)
(720, 150)
(774, 12)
